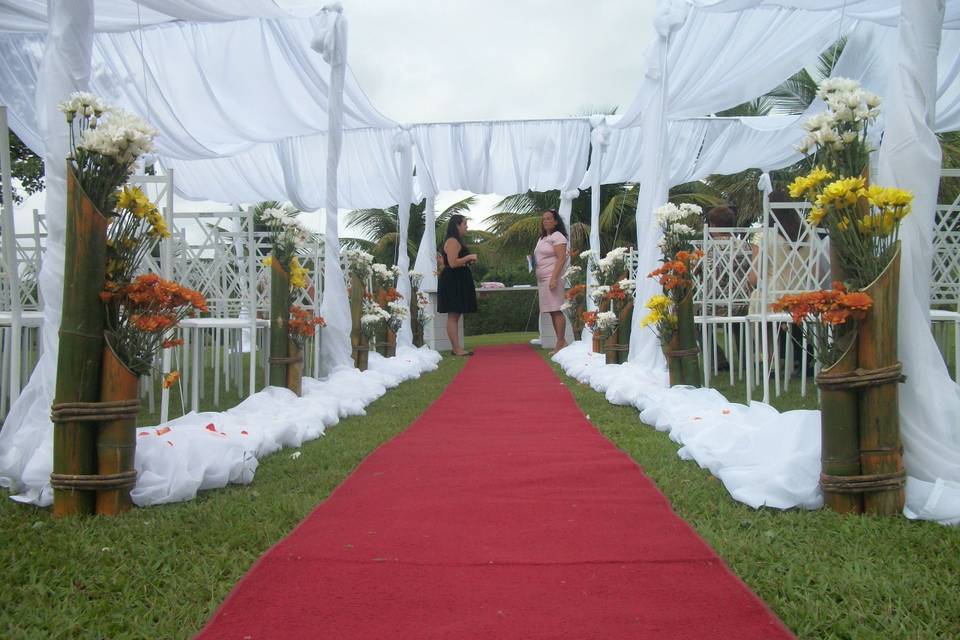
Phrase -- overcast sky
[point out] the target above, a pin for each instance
(451, 60)
(445, 60)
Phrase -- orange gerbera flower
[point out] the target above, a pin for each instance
(170, 379)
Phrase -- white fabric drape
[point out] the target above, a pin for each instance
(653, 189)
(126, 15)
(26, 441)
(426, 262)
(331, 43)
(212, 90)
(910, 159)
(294, 169)
(599, 139)
(403, 144)
(504, 157)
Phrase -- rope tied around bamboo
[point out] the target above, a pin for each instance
(122, 480)
(862, 378)
(864, 483)
(681, 353)
(285, 359)
(94, 411)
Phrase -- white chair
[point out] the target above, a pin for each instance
(945, 272)
(789, 261)
(21, 314)
(723, 296)
(227, 277)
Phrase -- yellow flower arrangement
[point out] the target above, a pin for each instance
(298, 275)
(863, 221)
(660, 316)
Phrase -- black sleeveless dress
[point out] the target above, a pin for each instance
(455, 290)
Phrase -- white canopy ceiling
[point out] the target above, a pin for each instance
(127, 15)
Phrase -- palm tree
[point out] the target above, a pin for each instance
(618, 218)
(793, 95)
(380, 229)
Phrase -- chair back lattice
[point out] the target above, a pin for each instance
(945, 273)
(206, 261)
(723, 284)
(792, 263)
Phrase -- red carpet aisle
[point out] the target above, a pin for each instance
(501, 513)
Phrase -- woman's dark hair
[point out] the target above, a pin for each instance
(789, 221)
(453, 227)
(560, 226)
(722, 216)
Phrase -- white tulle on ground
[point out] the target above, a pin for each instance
(762, 456)
(209, 450)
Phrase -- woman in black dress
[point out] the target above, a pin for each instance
(456, 294)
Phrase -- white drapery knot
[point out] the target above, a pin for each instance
(669, 16)
(329, 34)
(764, 184)
(600, 135)
(573, 194)
(402, 140)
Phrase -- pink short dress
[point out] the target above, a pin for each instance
(550, 299)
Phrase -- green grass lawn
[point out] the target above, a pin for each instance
(160, 572)
(825, 575)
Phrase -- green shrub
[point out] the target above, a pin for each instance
(503, 312)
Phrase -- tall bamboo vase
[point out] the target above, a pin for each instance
(881, 454)
(80, 352)
(682, 352)
(840, 435)
(358, 341)
(116, 436)
(295, 368)
(279, 321)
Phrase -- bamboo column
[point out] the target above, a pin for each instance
(881, 454)
(80, 353)
(415, 325)
(294, 380)
(618, 344)
(358, 341)
(116, 436)
(682, 352)
(840, 435)
(279, 321)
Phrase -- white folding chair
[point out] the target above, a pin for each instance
(945, 274)
(226, 267)
(21, 315)
(723, 296)
(786, 265)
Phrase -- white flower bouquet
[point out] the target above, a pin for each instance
(373, 319)
(105, 144)
(680, 226)
(359, 263)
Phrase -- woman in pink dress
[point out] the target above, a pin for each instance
(551, 259)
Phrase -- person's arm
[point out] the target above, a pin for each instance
(560, 251)
(754, 273)
(451, 247)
